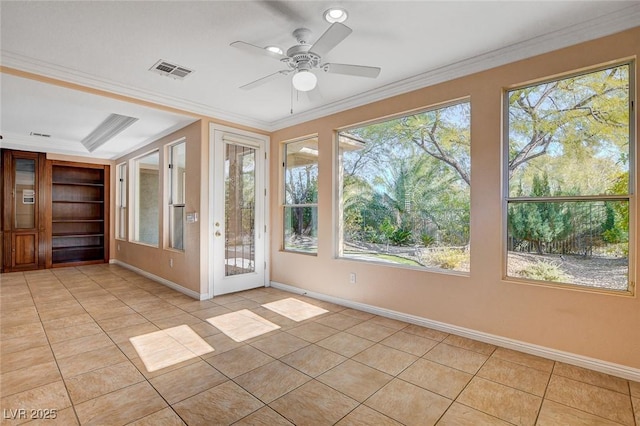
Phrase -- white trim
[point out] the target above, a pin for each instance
(263, 144)
(617, 370)
(601, 26)
(170, 284)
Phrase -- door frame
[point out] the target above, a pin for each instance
(265, 141)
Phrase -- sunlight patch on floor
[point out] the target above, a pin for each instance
(242, 325)
(295, 309)
(165, 348)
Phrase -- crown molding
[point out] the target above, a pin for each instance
(612, 23)
(46, 69)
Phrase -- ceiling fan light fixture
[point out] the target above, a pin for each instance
(304, 80)
(335, 14)
(274, 49)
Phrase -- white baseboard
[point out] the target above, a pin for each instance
(170, 284)
(617, 370)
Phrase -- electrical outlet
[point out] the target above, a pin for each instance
(352, 278)
(170, 263)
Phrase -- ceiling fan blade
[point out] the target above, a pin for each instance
(263, 80)
(357, 70)
(251, 48)
(330, 39)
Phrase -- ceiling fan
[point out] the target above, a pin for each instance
(303, 58)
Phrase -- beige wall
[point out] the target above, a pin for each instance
(156, 260)
(597, 325)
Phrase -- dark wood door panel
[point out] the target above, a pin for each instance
(25, 251)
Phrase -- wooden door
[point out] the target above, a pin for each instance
(23, 224)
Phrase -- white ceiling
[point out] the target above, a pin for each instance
(110, 45)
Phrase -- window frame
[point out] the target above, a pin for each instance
(337, 196)
(170, 238)
(122, 202)
(630, 197)
(284, 204)
(135, 199)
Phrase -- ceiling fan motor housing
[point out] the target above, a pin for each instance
(299, 57)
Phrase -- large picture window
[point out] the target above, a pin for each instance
(301, 196)
(146, 198)
(568, 185)
(405, 190)
(177, 172)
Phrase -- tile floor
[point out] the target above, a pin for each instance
(65, 352)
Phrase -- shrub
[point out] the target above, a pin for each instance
(427, 239)
(401, 237)
(544, 271)
(448, 258)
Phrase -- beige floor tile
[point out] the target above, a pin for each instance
(554, 414)
(385, 359)
(469, 344)
(52, 396)
(364, 415)
(81, 330)
(636, 409)
(211, 312)
(264, 417)
(315, 404)
(221, 343)
(137, 362)
(592, 399)
(313, 360)
(345, 344)
(23, 359)
(33, 376)
(389, 322)
(271, 381)
(180, 319)
(295, 309)
(408, 404)
(67, 321)
(410, 343)
(453, 356)
(461, 415)
(77, 346)
(238, 361)
(20, 330)
(438, 378)
(371, 331)
(527, 360)
(108, 312)
(312, 331)
(280, 344)
(101, 381)
(89, 361)
(635, 388)
(187, 381)
(122, 321)
(23, 343)
(339, 321)
(224, 404)
(355, 380)
(122, 406)
(123, 334)
(64, 417)
(427, 333)
(204, 329)
(361, 315)
(501, 401)
(515, 375)
(164, 417)
(592, 377)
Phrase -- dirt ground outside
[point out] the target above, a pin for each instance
(594, 271)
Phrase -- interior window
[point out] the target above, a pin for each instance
(147, 205)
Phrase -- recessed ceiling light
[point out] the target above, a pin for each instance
(335, 14)
(274, 49)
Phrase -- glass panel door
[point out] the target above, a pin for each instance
(238, 212)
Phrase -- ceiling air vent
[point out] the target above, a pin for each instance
(170, 70)
(41, 135)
